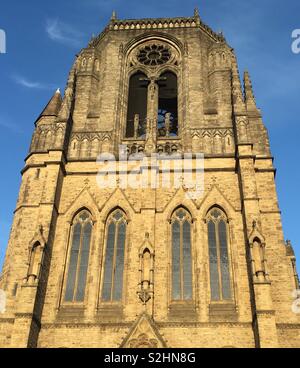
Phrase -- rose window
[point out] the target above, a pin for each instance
(154, 55)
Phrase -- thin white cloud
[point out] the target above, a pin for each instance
(9, 125)
(24, 82)
(61, 32)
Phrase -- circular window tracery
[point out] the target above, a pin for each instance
(154, 55)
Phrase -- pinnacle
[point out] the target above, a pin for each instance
(53, 106)
(248, 90)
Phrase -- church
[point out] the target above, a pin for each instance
(112, 265)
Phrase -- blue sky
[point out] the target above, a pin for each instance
(44, 36)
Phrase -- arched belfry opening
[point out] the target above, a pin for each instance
(168, 105)
(152, 101)
(138, 110)
(137, 105)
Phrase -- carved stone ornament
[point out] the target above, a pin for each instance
(144, 295)
(144, 334)
(154, 55)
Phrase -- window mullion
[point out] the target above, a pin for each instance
(218, 259)
(78, 263)
(114, 262)
(229, 260)
(191, 260)
(181, 263)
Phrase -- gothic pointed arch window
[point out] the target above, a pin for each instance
(137, 105)
(112, 288)
(168, 104)
(219, 264)
(81, 233)
(181, 229)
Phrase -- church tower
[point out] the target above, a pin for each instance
(97, 257)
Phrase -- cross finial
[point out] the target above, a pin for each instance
(196, 12)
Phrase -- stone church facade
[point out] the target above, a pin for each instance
(116, 266)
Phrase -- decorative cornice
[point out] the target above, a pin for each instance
(90, 136)
(157, 24)
(165, 23)
(51, 127)
(288, 326)
(266, 312)
(161, 324)
(154, 23)
(205, 324)
(7, 320)
(86, 325)
(212, 132)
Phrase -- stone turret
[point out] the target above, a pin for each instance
(49, 133)
(53, 106)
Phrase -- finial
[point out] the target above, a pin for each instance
(237, 87)
(58, 90)
(196, 12)
(248, 91)
(113, 16)
(247, 80)
(92, 39)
